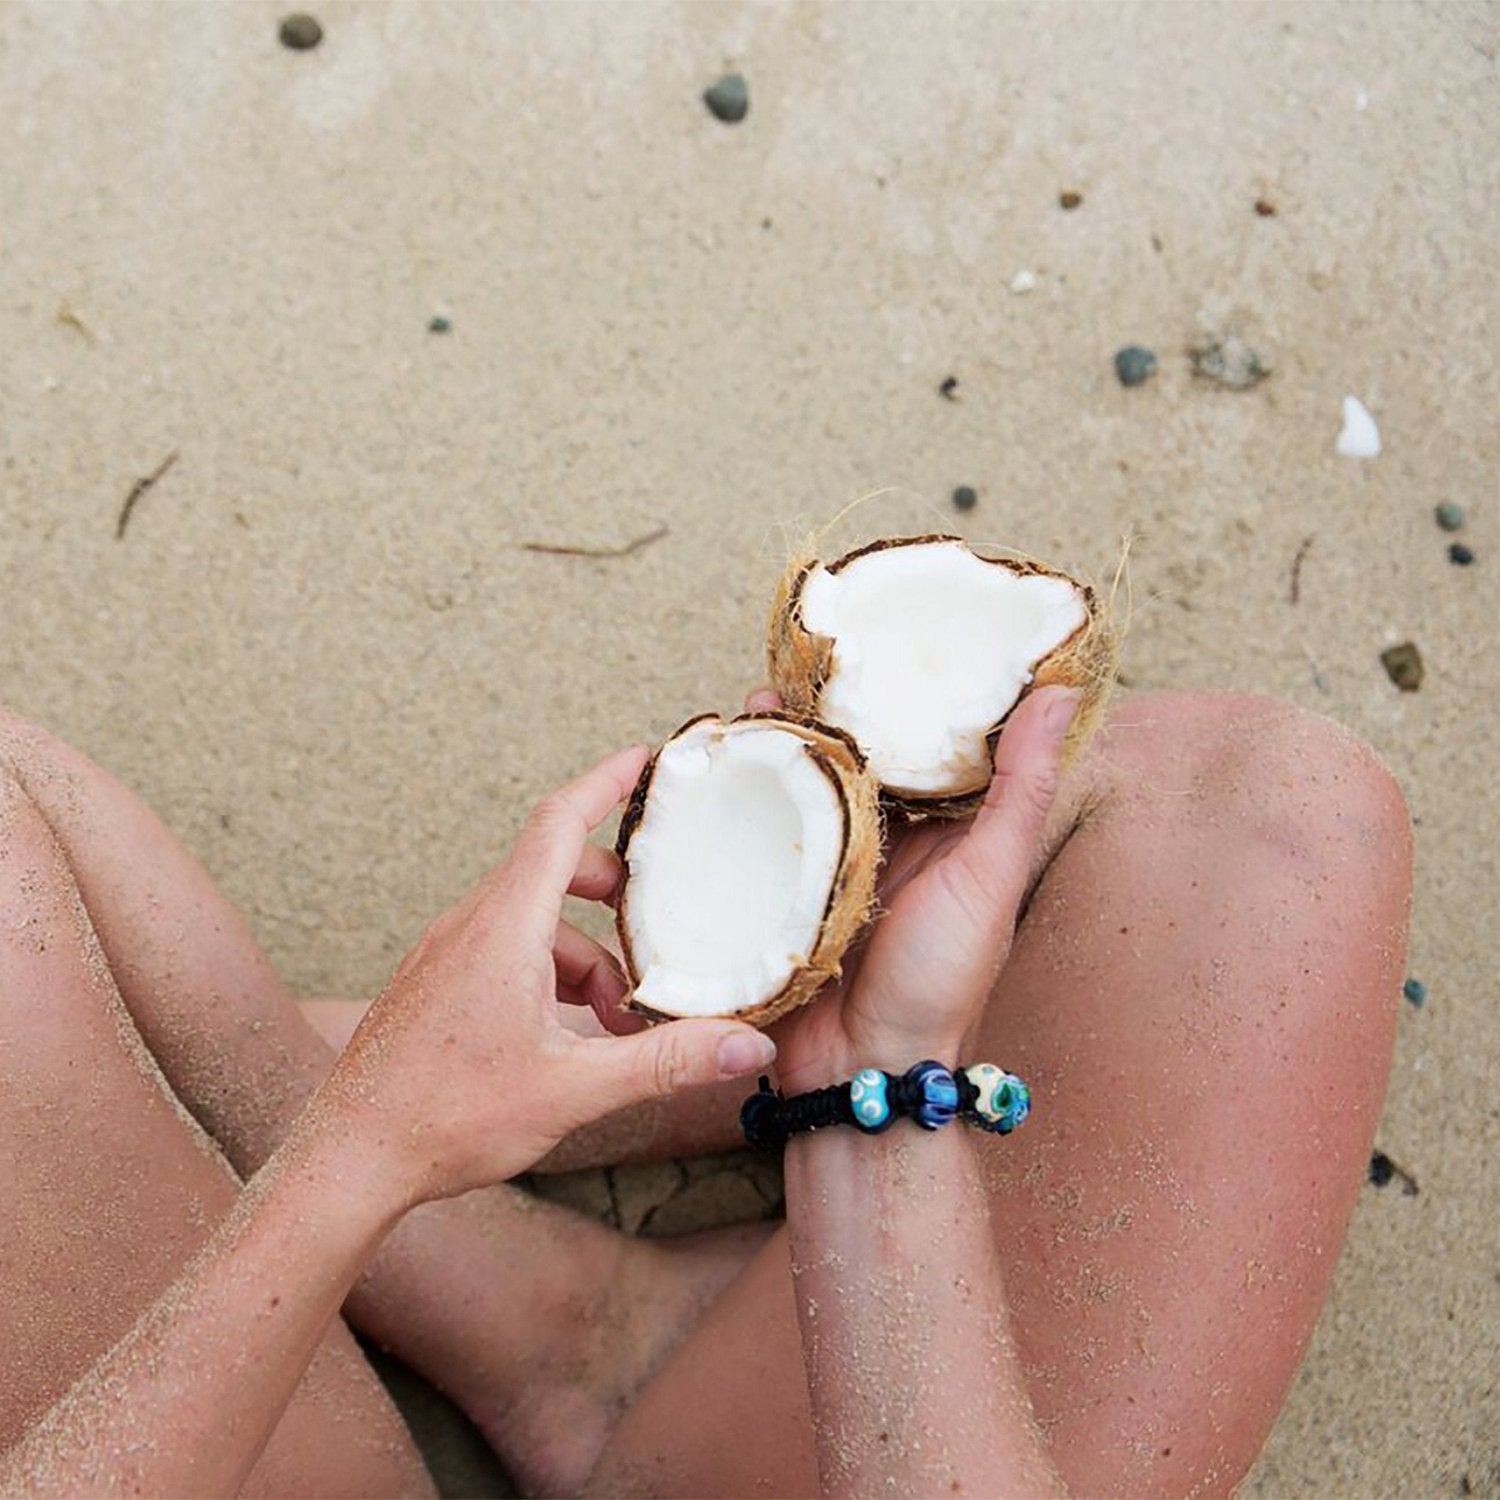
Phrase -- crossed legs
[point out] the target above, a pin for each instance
(150, 1060)
(1201, 992)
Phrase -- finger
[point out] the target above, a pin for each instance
(550, 848)
(669, 1058)
(589, 974)
(763, 700)
(987, 872)
(598, 875)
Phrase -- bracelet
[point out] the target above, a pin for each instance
(981, 1095)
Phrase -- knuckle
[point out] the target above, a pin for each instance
(671, 1066)
(972, 897)
(1041, 789)
(1027, 793)
(553, 811)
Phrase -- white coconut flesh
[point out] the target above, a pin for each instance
(932, 646)
(730, 868)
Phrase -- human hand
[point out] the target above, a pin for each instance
(460, 1073)
(948, 894)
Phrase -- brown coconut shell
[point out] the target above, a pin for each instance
(851, 897)
(801, 662)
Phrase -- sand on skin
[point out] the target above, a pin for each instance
(323, 653)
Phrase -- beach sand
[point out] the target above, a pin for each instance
(323, 652)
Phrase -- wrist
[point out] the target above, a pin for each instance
(839, 1060)
(345, 1146)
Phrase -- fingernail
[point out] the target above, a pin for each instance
(1060, 710)
(743, 1052)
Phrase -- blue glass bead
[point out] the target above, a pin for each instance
(869, 1097)
(939, 1095)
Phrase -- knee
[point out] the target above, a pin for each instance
(12, 789)
(16, 738)
(1295, 778)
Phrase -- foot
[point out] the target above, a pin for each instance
(613, 1335)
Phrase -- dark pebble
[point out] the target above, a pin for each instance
(728, 99)
(1403, 665)
(1134, 365)
(437, 323)
(1383, 1171)
(1415, 992)
(1449, 516)
(1069, 200)
(1265, 208)
(1460, 554)
(965, 498)
(948, 390)
(300, 32)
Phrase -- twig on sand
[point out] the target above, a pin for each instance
(557, 549)
(67, 318)
(138, 489)
(1302, 552)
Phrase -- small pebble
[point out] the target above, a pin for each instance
(437, 323)
(948, 390)
(1415, 992)
(1069, 199)
(1230, 361)
(300, 32)
(1449, 516)
(1022, 282)
(728, 99)
(1135, 365)
(965, 498)
(1265, 208)
(1403, 665)
(1460, 554)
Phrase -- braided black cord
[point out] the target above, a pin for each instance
(768, 1119)
(968, 1094)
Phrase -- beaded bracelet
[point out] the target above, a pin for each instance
(981, 1095)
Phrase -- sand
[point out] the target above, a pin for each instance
(322, 652)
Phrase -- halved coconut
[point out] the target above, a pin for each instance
(919, 648)
(750, 847)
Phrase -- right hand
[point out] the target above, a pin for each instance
(461, 1074)
(915, 983)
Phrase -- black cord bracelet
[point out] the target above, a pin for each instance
(982, 1095)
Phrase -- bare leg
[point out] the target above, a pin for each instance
(109, 1188)
(541, 1324)
(1202, 995)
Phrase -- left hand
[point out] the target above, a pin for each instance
(949, 894)
(461, 1073)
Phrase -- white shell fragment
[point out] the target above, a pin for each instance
(731, 868)
(1022, 282)
(1360, 437)
(932, 646)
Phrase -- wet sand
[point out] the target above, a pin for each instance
(323, 649)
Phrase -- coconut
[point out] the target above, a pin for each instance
(750, 847)
(919, 648)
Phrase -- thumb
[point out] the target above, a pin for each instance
(992, 864)
(672, 1056)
